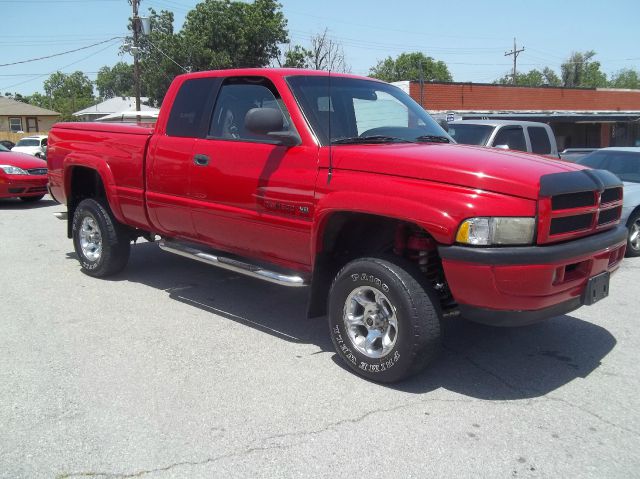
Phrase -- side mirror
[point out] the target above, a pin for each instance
(270, 122)
(502, 147)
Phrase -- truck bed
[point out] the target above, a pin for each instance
(117, 151)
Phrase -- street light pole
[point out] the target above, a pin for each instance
(136, 66)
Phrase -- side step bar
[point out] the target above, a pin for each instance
(248, 269)
(61, 215)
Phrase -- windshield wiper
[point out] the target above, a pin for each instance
(433, 139)
(358, 140)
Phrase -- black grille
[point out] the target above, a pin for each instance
(16, 190)
(612, 194)
(37, 171)
(569, 224)
(573, 200)
(607, 216)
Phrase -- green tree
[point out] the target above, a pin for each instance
(115, 81)
(69, 93)
(233, 34)
(579, 70)
(546, 77)
(407, 67)
(625, 78)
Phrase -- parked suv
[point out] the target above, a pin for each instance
(529, 136)
(32, 145)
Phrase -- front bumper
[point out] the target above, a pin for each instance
(521, 285)
(14, 186)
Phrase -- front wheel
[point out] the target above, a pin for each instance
(384, 324)
(101, 243)
(633, 240)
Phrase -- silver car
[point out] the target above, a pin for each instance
(625, 163)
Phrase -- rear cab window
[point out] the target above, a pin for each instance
(189, 117)
(539, 138)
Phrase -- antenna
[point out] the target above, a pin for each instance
(329, 116)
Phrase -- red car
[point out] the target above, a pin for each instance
(22, 176)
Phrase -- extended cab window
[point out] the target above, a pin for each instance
(512, 137)
(189, 113)
(238, 96)
(539, 140)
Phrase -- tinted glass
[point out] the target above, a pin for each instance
(512, 136)
(236, 98)
(624, 164)
(192, 103)
(470, 134)
(339, 108)
(28, 142)
(2, 148)
(539, 140)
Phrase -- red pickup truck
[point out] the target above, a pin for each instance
(345, 185)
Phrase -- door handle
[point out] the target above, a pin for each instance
(200, 160)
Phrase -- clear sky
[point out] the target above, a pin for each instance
(470, 36)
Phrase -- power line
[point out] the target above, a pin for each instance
(57, 54)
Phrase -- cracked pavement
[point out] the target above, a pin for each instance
(173, 369)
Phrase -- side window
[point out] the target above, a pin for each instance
(44, 142)
(192, 103)
(539, 140)
(236, 98)
(512, 136)
(15, 124)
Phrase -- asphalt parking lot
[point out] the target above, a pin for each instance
(174, 369)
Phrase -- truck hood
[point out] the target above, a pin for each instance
(507, 172)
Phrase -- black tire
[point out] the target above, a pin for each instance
(115, 242)
(633, 247)
(31, 199)
(418, 338)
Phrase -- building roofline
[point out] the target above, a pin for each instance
(546, 87)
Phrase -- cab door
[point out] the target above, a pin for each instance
(170, 155)
(251, 196)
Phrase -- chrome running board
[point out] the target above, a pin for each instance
(61, 215)
(231, 264)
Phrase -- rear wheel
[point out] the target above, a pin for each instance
(633, 240)
(384, 324)
(101, 243)
(31, 199)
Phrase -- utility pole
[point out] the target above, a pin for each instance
(136, 67)
(515, 52)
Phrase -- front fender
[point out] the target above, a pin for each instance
(438, 208)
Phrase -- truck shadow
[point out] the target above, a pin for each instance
(477, 361)
(18, 204)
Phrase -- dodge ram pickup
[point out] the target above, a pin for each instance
(346, 186)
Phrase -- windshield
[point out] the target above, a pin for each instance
(355, 110)
(624, 164)
(28, 142)
(470, 134)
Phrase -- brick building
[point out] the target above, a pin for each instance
(579, 117)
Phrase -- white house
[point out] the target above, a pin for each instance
(112, 105)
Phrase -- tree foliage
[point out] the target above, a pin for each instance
(216, 34)
(115, 81)
(408, 66)
(580, 70)
(324, 53)
(67, 93)
(546, 77)
(625, 78)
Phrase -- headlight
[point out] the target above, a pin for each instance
(496, 231)
(12, 170)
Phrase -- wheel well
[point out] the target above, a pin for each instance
(84, 183)
(635, 211)
(347, 236)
